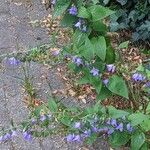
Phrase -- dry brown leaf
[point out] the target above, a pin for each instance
(71, 92)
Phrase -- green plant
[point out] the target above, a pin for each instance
(131, 15)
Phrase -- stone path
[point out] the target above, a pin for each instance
(18, 34)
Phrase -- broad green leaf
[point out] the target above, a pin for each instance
(84, 80)
(124, 44)
(68, 20)
(96, 83)
(137, 118)
(110, 55)
(83, 13)
(93, 109)
(79, 38)
(89, 50)
(115, 113)
(145, 125)
(137, 140)
(144, 146)
(60, 7)
(104, 93)
(99, 12)
(118, 139)
(90, 140)
(52, 105)
(99, 26)
(37, 111)
(118, 86)
(100, 47)
(66, 120)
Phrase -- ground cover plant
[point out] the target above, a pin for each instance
(132, 15)
(92, 57)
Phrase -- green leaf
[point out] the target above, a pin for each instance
(90, 140)
(99, 12)
(110, 55)
(96, 83)
(93, 109)
(52, 105)
(37, 111)
(99, 26)
(60, 7)
(144, 146)
(79, 38)
(95, 1)
(88, 52)
(83, 13)
(117, 85)
(137, 140)
(66, 120)
(148, 108)
(104, 93)
(100, 47)
(145, 125)
(68, 20)
(118, 139)
(115, 113)
(84, 80)
(137, 118)
(124, 44)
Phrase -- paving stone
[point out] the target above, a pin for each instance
(19, 11)
(6, 146)
(17, 33)
(4, 8)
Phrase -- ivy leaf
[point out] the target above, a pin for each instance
(118, 86)
(83, 13)
(122, 2)
(60, 7)
(52, 105)
(137, 140)
(95, 1)
(99, 12)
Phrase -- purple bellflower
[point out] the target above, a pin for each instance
(43, 118)
(113, 122)
(138, 77)
(111, 68)
(53, 2)
(94, 72)
(106, 81)
(73, 138)
(13, 61)
(73, 11)
(77, 125)
(120, 127)
(27, 136)
(129, 127)
(78, 61)
(110, 131)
